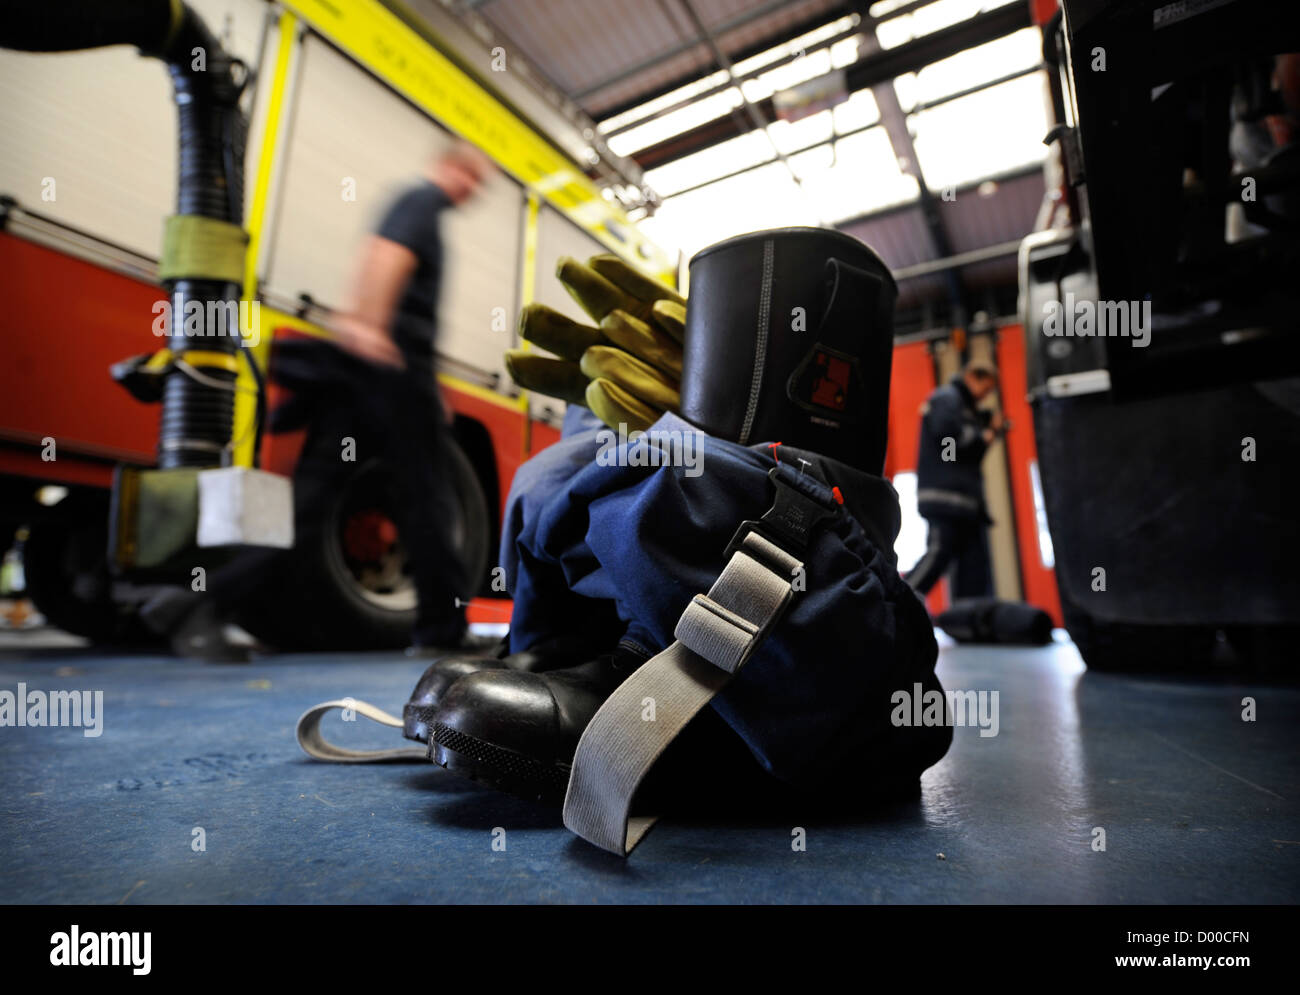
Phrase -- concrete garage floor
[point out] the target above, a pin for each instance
(1197, 805)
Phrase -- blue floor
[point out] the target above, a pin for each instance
(1196, 804)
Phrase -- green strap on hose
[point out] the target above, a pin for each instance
(199, 248)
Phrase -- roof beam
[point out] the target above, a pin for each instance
(784, 60)
(748, 52)
(868, 71)
(756, 48)
(731, 24)
(758, 120)
(894, 120)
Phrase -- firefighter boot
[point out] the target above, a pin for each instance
(518, 731)
(443, 673)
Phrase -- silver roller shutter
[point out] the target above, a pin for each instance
(352, 134)
(557, 236)
(102, 125)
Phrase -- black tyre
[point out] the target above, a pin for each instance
(65, 563)
(346, 586)
(1266, 650)
(1124, 647)
(1163, 535)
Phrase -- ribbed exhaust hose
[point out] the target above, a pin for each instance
(197, 419)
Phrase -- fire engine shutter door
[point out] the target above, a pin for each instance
(90, 136)
(355, 145)
(558, 236)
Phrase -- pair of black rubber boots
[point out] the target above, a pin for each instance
(512, 721)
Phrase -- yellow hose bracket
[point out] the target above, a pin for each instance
(210, 360)
(159, 362)
(199, 248)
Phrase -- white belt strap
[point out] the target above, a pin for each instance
(716, 635)
(315, 745)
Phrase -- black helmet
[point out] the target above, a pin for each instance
(789, 338)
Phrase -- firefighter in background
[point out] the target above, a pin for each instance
(392, 322)
(381, 389)
(955, 434)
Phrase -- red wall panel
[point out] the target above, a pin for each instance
(912, 381)
(1022, 451)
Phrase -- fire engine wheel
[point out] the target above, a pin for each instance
(1139, 648)
(66, 569)
(348, 587)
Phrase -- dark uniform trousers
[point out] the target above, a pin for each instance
(959, 543)
(395, 416)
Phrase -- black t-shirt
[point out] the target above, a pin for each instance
(413, 221)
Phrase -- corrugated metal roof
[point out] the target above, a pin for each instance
(974, 220)
(580, 44)
(603, 54)
(900, 237)
(994, 272)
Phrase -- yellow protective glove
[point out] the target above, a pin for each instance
(628, 370)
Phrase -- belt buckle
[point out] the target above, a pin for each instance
(789, 523)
